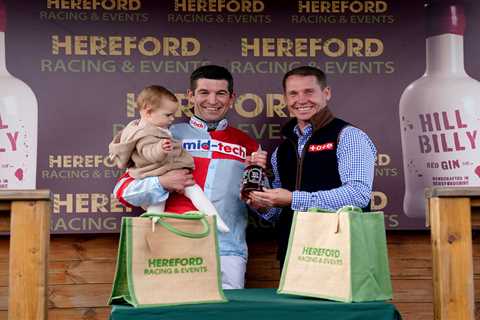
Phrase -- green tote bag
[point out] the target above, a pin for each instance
(167, 259)
(339, 256)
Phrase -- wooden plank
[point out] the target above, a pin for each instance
(84, 247)
(72, 272)
(73, 314)
(452, 192)
(79, 295)
(10, 195)
(86, 271)
(415, 310)
(475, 202)
(104, 247)
(29, 240)
(4, 298)
(79, 314)
(79, 272)
(90, 247)
(96, 295)
(408, 236)
(475, 218)
(4, 247)
(78, 257)
(74, 247)
(452, 258)
(5, 221)
(4, 216)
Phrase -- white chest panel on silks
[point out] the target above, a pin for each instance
(219, 163)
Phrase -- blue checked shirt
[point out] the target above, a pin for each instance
(356, 156)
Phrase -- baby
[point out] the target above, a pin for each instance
(146, 147)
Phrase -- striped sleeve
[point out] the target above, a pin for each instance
(140, 192)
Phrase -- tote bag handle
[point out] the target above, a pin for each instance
(352, 209)
(160, 219)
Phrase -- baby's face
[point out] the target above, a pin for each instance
(162, 115)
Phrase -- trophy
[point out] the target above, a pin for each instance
(254, 179)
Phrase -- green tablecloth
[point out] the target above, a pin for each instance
(253, 304)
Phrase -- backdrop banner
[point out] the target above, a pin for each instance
(86, 61)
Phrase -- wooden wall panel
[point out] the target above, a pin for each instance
(81, 270)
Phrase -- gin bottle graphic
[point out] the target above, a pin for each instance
(18, 125)
(440, 114)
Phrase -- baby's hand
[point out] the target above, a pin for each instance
(167, 145)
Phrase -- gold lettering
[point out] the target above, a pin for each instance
(379, 200)
(338, 45)
(255, 46)
(54, 161)
(67, 203)
(303, 5)
(383, 160)
(154, 44)
(116, 206)
(85, 203)
(99, 202)
(57, 45)
(118, 45)
(202, 5)
(311, 47)
(130, 45)
(301, 47)
(115, 44)
(275, 105)
(180, 5)
(190, 42)
(371, 52)
(81, 202)
(268, 47)
(131, 105)
(97, 45)
(315, 45)
(284, 47)
(258, 105)
(185, 106)
(54, 3)
(354, 47)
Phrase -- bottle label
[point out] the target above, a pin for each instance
(447, 148)
(441, 148)
(253, 176)
(15, 151)
(254, 179)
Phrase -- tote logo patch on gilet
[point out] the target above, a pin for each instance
(321, 147)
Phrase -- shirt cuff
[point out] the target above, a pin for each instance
(159, 190)
(300, 201)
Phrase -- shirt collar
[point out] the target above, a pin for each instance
(318, 121)
(201, 124)
(307, 130)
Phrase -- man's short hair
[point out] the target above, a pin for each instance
(212, 72)
(307, 71)
(152, 95)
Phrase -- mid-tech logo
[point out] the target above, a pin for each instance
(206, 145)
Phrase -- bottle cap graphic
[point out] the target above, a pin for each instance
(445, 17)
(3, 16)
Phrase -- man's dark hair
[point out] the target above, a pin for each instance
(212, 72)
(307, 71)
